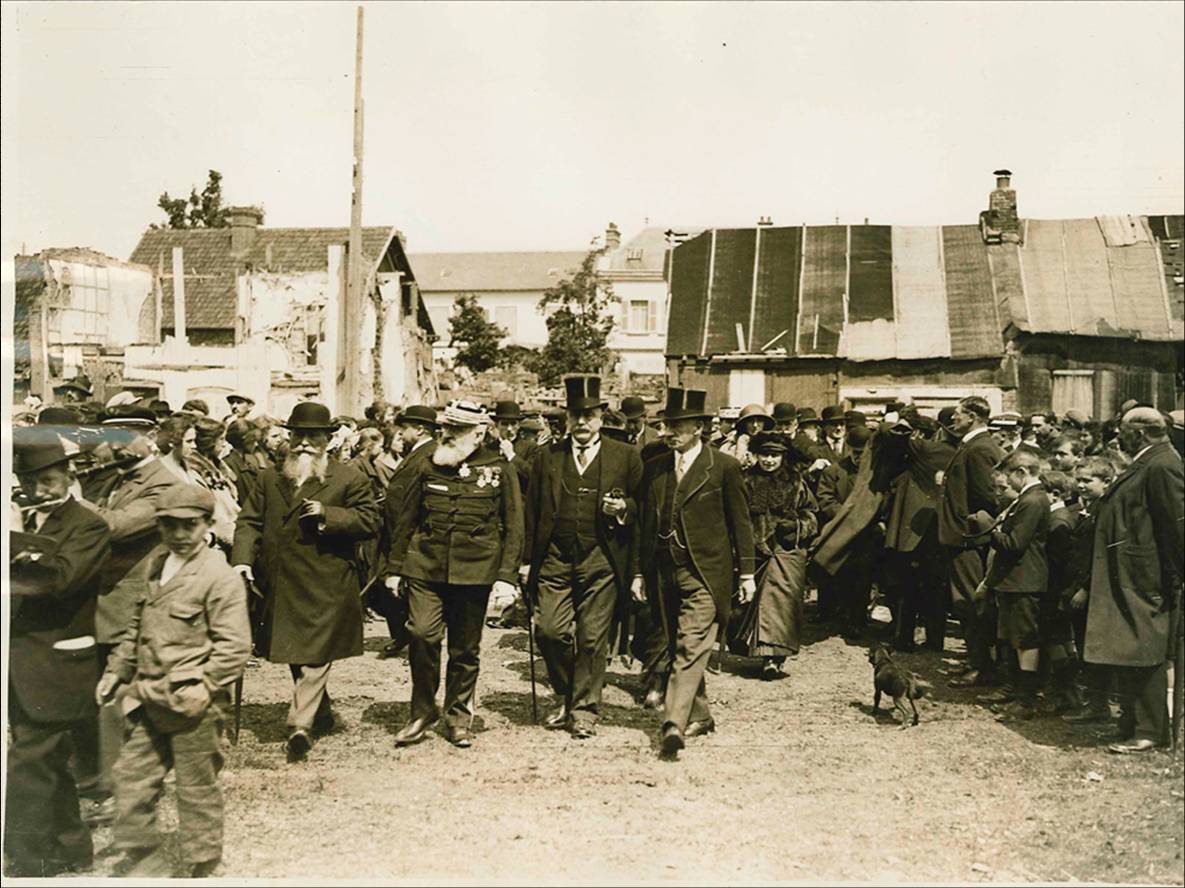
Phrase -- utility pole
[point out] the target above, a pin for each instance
(350, 318)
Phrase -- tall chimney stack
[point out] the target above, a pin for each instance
(1000, 223)
(243, 223)
(612, 237)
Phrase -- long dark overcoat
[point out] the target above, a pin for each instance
(1136, 567)
(310, 578)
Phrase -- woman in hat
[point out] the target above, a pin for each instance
(784, 522)
(752, 419)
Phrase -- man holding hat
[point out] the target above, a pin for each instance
(296, 537)
(416, 427)
(457, 537)
(52, 658)
(581, 511)
(695, 538)
(188, 641)
(1134, 603)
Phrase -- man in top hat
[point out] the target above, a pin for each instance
(1134, 604)
(416, 427)
(295, 538)
(240, 405)
(581, 511)
(457, 538)
(639, 431)
(52, 658)
(695, 538)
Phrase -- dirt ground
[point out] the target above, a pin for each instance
(799, 783)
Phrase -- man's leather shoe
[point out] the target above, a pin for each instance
(415, 730)
(1133, 748)
(699, 728)
(392, 650)
(1005, 694)
(97, 812)
(324, 723)
(558, 720)
(975, 679)
(672, 741)
(1017, 710)
(583, 729)
(298, 745)
(458, 735)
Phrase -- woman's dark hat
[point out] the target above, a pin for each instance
(633, 407)
(685, 404)
(310, 416)
(584, 393)
(768, 442)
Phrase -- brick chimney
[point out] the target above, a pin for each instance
(243, 223)
(612, 237)
(999, 222)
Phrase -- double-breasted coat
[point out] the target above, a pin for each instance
(709, 510)
(54, 600)
(309, 577)
(1136, 572)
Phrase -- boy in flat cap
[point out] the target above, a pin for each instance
(189, 639)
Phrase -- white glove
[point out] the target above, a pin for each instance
(638, 590)
(504, 590)
(245, 571)
(106, 688)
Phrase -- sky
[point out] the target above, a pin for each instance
(530, 126)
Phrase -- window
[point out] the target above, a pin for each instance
(506, 316)
(1073, 388)
(746, 387)
(641, 316)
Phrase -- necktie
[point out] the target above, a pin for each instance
(680, 466)
(581, 456)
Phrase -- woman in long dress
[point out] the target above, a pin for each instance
(784, 522)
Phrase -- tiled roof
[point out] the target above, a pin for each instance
(645, 251)
(211, 269)
(869, 292)
(483, 272)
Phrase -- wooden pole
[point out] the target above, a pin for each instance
(179, 295)
(351, 318)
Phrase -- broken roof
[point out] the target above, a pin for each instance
(878, 292)
(211, 269)
(483, 272)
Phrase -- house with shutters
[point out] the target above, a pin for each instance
(1033, 314)
(258, 310)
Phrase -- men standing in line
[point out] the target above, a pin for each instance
(696, 536)
(1136, 578)
(416, 427)
(53, 662)
(457, 537)
(581, 509)
(296, 538)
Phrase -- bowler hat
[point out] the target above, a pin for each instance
(419, 414)
(310, 416)
(833, 413)
(807, 416)
(853, 418)
(768, 442)
(583, 392)
(39, 447)
(685, 404)
(185, 501)
(858, 436)
(507, 410)
(633, 407)
(784, 411)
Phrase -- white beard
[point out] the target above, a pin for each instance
(300, 467)
(456, 451)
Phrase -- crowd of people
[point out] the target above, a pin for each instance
(157, 554)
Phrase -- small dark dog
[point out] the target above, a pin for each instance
(900, 684)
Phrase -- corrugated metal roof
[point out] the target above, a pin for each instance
(211, 269)
(484, 272)
(910, 292)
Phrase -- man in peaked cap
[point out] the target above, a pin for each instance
(296, 538)
(240, 405)
(581, 513)
(695, 538)
(52, 657)
(457, 538)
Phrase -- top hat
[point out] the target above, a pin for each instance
(584, 392)
(507, 410)
(239, 399)
(36, 448)
(784, 411)
(833, 413)
(685, 404)
(419, 414)
(310, 416)
(633, 407)
(807, 416)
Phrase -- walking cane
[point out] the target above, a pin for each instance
(234, 740)
(1179, 678)
(531, 651)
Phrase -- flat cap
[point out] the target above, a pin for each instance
(1145, 417)
(185, 501)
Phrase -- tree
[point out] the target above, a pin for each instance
(203, 210)
(475, 337)
(578, 328)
